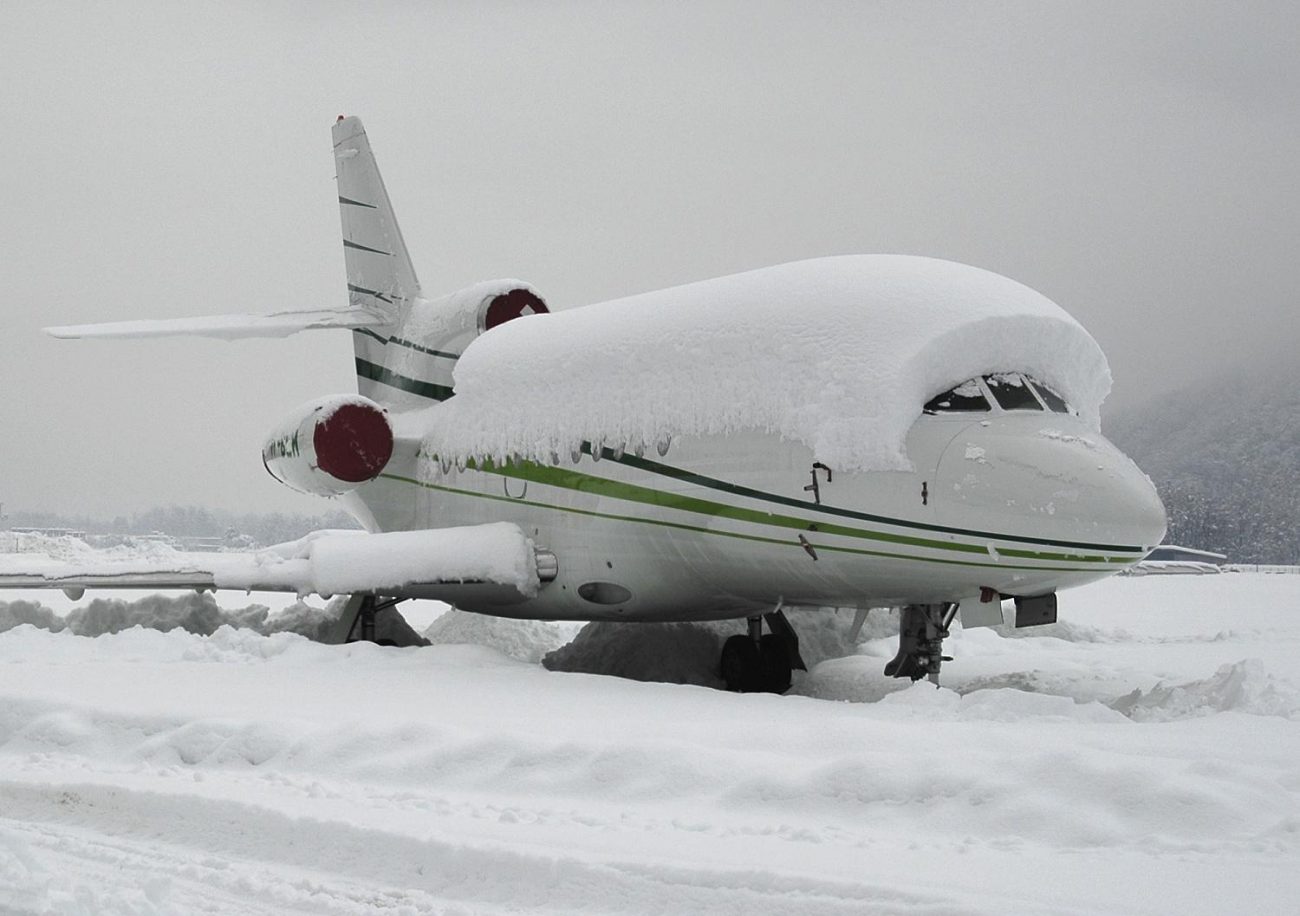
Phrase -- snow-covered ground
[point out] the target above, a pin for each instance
(1142, 757)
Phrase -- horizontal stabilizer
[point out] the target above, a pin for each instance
(326, 563)
(231, 327)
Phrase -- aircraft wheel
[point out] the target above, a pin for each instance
(775, 660)
(740, 665)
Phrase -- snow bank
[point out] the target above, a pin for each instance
(1242, 686)
(242, 773)
(525, 640)
(837, 353)
(670, 653)
(200, 614)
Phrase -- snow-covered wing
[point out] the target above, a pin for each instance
(397, 564)
(231, 327)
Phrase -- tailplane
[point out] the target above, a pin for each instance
(381, 280)
(406, 347)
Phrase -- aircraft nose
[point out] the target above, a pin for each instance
(1050, 477)
(1137, 506)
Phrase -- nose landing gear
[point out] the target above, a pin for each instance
(921, 631)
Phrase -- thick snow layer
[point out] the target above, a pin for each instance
(200, 613)
(837, 353)
(525, 640)
(149, 772)
(322, 563)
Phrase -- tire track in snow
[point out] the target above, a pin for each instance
(198, 854)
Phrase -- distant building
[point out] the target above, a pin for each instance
(1174, 553)
(52, 532)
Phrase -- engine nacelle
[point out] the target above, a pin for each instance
(330, 446)
(451, 322)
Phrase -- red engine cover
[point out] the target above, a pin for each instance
(354, 444)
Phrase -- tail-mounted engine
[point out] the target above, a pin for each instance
(330, 446)
(413, 361)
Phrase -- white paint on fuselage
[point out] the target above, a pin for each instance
(691, 549)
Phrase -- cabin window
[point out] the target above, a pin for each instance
(965, 398)
(1054, 401)
(1012, 392)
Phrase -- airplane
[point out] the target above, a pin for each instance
(848, 432)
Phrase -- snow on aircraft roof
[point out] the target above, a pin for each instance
(837, 353)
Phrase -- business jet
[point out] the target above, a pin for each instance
(860, 431)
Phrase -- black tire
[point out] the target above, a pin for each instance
(740, 666)
(775, 665)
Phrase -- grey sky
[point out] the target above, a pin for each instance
(1138, 163)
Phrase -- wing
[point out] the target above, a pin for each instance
(231, 327)
(494, 561)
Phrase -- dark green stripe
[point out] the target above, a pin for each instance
(356, 203)
(406, 343)
(369, 292)
(386, 376)
(370, 333)
(729, 534)
(617, 489)
(349, 244)
(713, 483)
(415, 346)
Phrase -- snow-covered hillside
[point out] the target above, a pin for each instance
(1141, 757)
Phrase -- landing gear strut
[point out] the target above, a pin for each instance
(762, 663)
(363, 623)
(921, 631)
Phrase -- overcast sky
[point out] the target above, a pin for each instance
(1137, 163)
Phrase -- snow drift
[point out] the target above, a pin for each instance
(149, 772)
(200, 614)
(1243, 686)
(837, 353)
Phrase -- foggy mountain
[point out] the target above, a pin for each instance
(1225, 456)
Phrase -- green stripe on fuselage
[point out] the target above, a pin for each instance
(661, 523)
(666, 470)
(386, 376)
(564, 478)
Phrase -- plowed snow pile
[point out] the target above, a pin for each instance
(1152, 766)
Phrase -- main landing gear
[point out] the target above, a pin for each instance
(762, 663)
(364, 608)
(921, 631)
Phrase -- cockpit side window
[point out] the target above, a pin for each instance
(1054, 401)
(1012, 392)
(965, 398)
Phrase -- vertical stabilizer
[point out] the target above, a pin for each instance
(380, 275)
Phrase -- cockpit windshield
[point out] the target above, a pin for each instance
(1012, 392)
(965, 398)
(1008, 390)
(1054, 401)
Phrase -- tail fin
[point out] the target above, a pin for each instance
(380, 274)
(381, 278)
